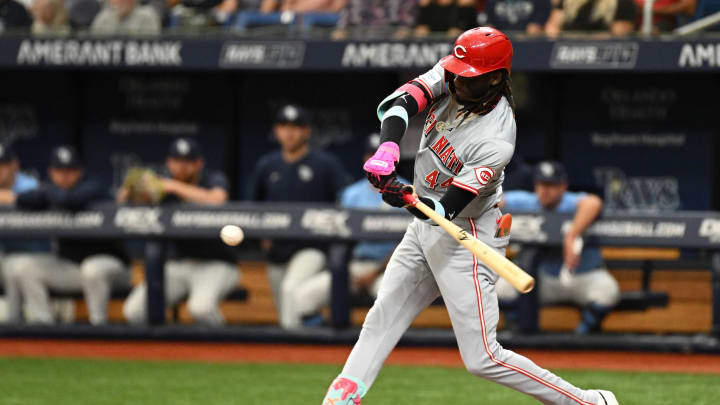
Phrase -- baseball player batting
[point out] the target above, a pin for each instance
(468, 138)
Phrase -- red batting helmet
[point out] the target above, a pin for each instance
(479, 51)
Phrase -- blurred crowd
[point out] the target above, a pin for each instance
(341, 18)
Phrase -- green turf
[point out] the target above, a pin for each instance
(104, 382)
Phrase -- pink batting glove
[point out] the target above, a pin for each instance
(383, 161)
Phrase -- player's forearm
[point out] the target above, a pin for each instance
(194, 194)
(553, 26)
(450, 205)
(588, 210)
(395, 121)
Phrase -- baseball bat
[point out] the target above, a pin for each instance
(500, 264)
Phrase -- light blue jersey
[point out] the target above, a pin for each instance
(525, 201)
(362, 195)
(24, 182)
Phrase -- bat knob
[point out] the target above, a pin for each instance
(408, 195)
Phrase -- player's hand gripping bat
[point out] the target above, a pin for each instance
(508, 270)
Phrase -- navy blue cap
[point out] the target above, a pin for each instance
(7, 153)
(292, 114)
(65, 156)
(550, 171)
(185, 148)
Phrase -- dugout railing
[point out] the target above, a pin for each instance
(691, 231)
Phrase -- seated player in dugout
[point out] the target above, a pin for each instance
(295, 173)
(203, 270)
(588, 284)
(77, 264)
(467, 140)
(368, 260)
(13, 182)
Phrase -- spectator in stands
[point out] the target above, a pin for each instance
(377, 18)
(311, 13)
(82, 13)
(616, 17)
(204, 270)
(527, 16)
(295, 173)
(368, 258)
(14, 17)
(590, 284)
(78, 263)
(50, 18)
(302, 6)
(126, 17)
(447, 17)
(666, 12)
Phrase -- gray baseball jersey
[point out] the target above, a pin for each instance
(468, 151)
(465, 150)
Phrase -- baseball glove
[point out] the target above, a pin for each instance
(143, 186)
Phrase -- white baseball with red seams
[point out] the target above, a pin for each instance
(469, 152)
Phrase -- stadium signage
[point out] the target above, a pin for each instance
(139, 220)
(385, 223)
(597, 55)
(528, 228)
(57, 220)
(262, 54)
(327, 222)
(394, 54)
(710, 228)
(699, 55)
(644, 229)
(218, 219)
(72, 52)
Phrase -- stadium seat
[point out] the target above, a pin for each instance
(320, 20)
(239, 294)
(253, 19)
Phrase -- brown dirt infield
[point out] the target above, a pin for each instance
(270, 353)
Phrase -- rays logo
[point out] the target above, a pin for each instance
(710, 228)
(457, 50)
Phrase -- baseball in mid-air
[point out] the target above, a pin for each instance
(232, 235)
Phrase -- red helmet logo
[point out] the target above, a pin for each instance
(479, 51)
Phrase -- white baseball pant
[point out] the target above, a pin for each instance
(205, 282)
(428, 263)
(312, 294)
(284, 280)
(30, 276)
(593, 287)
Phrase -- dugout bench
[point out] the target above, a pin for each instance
(239, 294)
